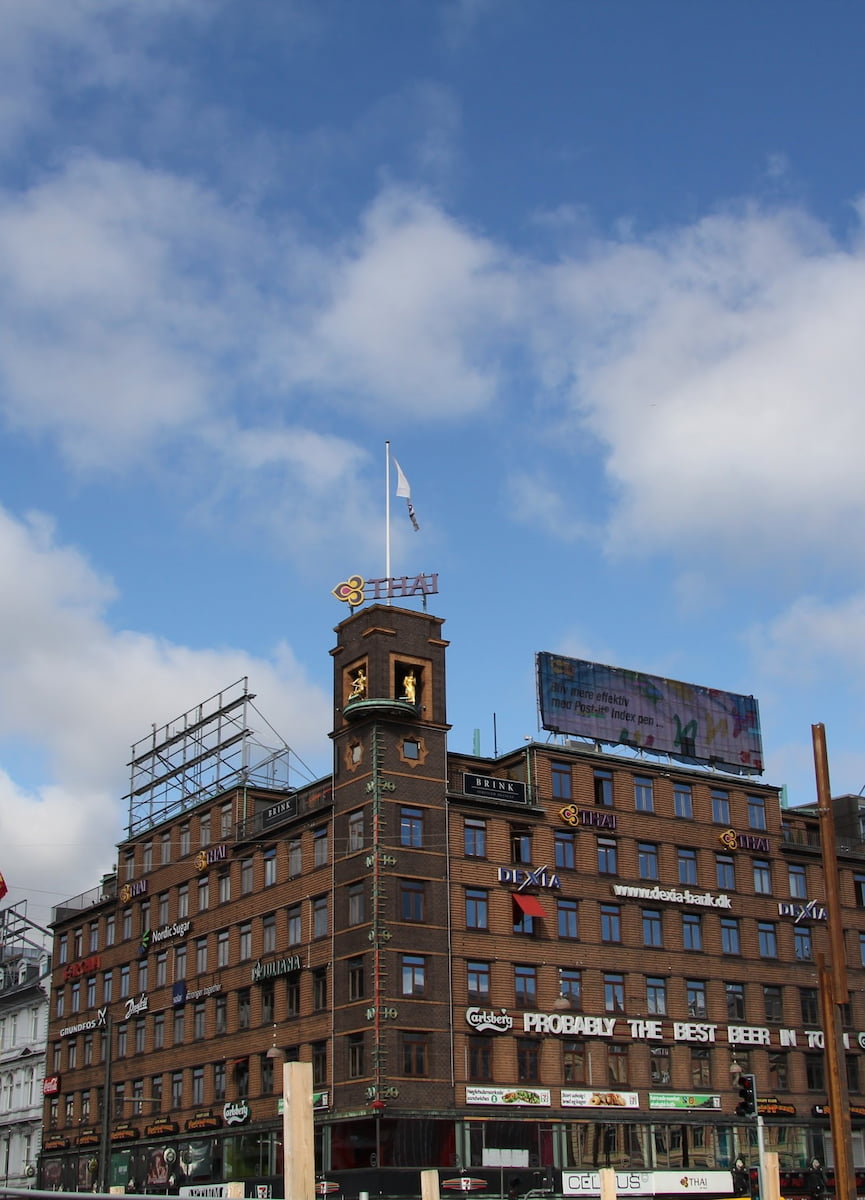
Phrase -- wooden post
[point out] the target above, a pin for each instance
(771, 1176)
(833, 981)
(429, 1185)
(608, 1183)
(298, 1149)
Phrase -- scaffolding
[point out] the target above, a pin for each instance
(201, 754)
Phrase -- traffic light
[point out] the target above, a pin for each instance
(747, 1106)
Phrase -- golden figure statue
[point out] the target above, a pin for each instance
(410, 688)
(358, 685)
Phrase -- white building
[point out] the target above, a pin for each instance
(25, 978)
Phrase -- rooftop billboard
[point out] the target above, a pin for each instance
(662, 716)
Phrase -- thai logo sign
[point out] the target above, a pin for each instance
(732, 840)
(130, 890)
(213, 854)
(356, 590)
(662, 716)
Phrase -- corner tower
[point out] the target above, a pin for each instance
(391, 916)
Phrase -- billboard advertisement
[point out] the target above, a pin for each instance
(662, 716)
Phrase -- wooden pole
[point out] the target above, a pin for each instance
(298, 1150)
(833, 982)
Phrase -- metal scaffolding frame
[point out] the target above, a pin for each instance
(200, 754)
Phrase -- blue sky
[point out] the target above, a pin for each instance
(595, 269)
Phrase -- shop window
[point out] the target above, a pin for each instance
(725, 872)
(525, 986)
(756, 812)
(528, 1060)
(762, 877)
(560, 773)
(797, 881)
(720, 807)
(686, 859)
(319, 916)
(647, 860)
(683, 801)
(319, 1063)
(659, 1063)
(695, 993)
(474, 837)
(356, 1067)
(411, 827)
(656, 996)
(809, 1002)
(653, 929)
(355, 831)
(411, 893)
(602, 782)
(617, 1063)
(413, 973)
(521, 845)
(773, 1003)
(477, 908)
(692, 931)
(644, 794)
(566, 913)
(607, 856)
(571, 986)
(478, 982)
(480, 1058)
(319, 988)
(573, 1062)
(356, 986)
(735, 995)
(730, 939)
(611, 923)
(564, 847)
(767, 938)
(614, 992)
(415, 1053)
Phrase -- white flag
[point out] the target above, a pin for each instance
(403, 488)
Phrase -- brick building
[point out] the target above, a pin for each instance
(515, 969)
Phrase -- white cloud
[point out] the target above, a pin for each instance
(414, 306)
(814, 639)
(49, 52)
(82, 692)
(118, 300)
(720, 366)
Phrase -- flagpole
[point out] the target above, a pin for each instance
(387, 512)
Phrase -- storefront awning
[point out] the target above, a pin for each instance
(530, 905)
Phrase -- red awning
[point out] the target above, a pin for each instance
(530, 905)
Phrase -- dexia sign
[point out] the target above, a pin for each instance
(540, 878)
(810, 910)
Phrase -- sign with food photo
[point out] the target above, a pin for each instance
(513, 1097)
(575, 1099)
